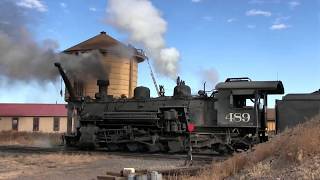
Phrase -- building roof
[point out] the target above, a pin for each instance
(106, 43)
(32, 110)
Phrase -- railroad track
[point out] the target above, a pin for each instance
(18, 149)
(28, 149)
(196, 157)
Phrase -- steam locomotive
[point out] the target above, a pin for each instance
(231, 118)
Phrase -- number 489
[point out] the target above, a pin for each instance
(238, 117)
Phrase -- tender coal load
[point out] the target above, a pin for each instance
(141, 92)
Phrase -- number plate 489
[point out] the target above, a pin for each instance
(238, 117)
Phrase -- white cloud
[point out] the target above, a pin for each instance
(279, 26)
(264, 2)
(63, 5)
(92, 9)
(230, 20)
(281, 19)
(196, 1)
(255, 12)
(207, 18)
(251, 26)
(5, 22)
(33, 4)
(293, 4)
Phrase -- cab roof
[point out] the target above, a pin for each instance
(269, 87)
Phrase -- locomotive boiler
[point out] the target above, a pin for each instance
(232, 117)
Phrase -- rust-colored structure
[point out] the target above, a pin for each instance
(271, 120)
(120, 60)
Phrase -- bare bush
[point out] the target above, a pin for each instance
(292, 147)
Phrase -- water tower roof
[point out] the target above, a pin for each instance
(105, 43)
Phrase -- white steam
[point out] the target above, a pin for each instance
(144, 24)
(210, 76)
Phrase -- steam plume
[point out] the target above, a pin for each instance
(24, 59)
(144, 24)
(210, 76)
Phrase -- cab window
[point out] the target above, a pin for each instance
(242, 101)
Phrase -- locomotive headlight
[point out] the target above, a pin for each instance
(250, 135)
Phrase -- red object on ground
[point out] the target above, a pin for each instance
(32, 110)
(191, 127)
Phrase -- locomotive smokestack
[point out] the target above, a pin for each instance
(66, 81)
(103, 88)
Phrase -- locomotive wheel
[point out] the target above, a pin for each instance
(157, 147)
(87, 146)
(222, 149)
(242, 145)
(132, 147)
(112, 147)
(175, 146)
(164, 146)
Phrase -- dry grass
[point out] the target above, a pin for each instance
(292, 147)
(30, 138)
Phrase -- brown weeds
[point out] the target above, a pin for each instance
(291, 147)
(30, 138)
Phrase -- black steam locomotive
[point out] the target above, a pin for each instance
(233, 117)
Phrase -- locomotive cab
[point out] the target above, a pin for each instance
(242, 105)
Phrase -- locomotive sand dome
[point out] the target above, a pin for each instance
(121, 62)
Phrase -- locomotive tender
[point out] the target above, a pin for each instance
(233, 117)
(294, 109)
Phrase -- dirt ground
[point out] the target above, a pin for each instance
(21, 163)
(74, 166)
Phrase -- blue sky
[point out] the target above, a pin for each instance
(260, 39)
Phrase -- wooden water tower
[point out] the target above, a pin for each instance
(120, 60)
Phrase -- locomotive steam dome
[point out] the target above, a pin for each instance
(181, 89)
(141, 92)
